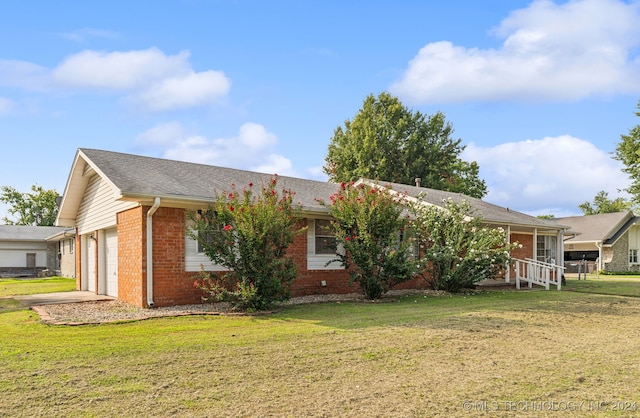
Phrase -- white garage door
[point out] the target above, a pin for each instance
(90, 272)
(111, 262)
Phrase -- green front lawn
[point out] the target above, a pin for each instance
(605, 284)
(417, 356)
(13, 287)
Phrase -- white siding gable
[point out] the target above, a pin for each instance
(99, 207)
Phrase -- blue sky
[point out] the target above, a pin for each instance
(539, 92)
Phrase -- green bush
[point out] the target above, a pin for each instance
(248, 233)
(457, 249)
(368, 225)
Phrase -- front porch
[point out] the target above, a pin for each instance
(529, 272)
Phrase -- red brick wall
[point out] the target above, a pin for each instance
(337, 281)
(526, 241)
(131, 256)
(172, 284)
(309, 281)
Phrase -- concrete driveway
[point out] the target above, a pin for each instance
(60, 297)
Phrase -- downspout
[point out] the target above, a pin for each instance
(599, 266)
(508, 269)
(152, 210)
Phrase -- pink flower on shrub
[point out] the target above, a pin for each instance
(227, 228)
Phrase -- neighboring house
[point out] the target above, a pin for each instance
(607, 241)
(129, 213)
(24, 250)
(65, 242)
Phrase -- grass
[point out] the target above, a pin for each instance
(604, 284)
(13, 287)
(500, 353)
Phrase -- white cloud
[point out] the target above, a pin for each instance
(552, 175)
(24, 75)
(119, 70)
(161, 135)
(251, 149)
(274, 164)
(190, 90)
(317, 173)
(150, 78)
(550, 51)
(5, 105)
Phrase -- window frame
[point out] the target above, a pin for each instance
(320, 261)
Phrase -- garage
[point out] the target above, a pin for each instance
(111, 262)
(90, 264)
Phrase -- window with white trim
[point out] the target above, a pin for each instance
(546, 249)
(195, 258)
(633, 256)
(325, 240)
(322, 246)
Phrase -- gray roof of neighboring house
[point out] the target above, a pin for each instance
(140, 177)
(604, 227)
(27, 232)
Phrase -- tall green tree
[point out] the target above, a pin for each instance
(385, 141)
(602, 204)
(38, 208)
(628, 151)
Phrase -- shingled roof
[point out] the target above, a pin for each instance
(28, 232)
(142, 178)
(603, 227)
(489, 212)
(139, 175)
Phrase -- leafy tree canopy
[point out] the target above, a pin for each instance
(386, 141)
(38, 208)
(602, 204)
(628, 151)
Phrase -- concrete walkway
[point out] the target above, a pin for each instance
(60, 297)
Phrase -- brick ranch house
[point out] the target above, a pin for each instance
(129, 214)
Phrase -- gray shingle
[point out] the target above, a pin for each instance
(140, 175)
(595, 227)
(27, 232)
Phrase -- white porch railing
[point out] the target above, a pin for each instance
(538, 272)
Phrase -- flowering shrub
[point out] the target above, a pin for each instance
(248, 233)
(457, 249)
(368, 223)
